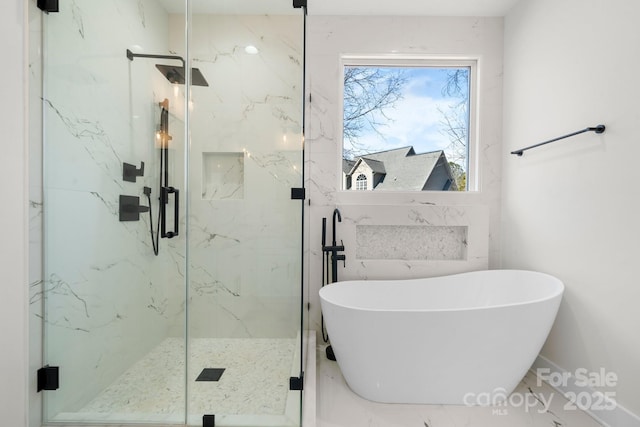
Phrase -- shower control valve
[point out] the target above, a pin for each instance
(130, 173)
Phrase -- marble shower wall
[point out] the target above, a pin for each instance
(245, 156)
(455, 232)
(108, 299)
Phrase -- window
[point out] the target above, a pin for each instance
(361, 182)
(410, 121)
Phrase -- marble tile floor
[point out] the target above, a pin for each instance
(255, 381)
(338, 406)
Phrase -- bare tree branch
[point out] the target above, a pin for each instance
(455, 122)
(368, 93)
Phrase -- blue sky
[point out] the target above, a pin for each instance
(415, 119)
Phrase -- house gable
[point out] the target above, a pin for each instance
(401, 170)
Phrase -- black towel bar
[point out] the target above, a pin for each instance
(597, 129)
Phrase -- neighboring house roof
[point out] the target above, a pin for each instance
(376, 166)
(347, 165)
(407, 171)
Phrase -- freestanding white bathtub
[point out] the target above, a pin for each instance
(446, 340)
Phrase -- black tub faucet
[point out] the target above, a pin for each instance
(335, 248)
(335, 257)
(336, 213)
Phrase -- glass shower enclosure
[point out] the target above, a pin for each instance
(172, 243)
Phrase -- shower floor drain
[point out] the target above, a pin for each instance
(210, 374)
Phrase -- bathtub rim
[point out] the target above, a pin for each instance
(555, 294)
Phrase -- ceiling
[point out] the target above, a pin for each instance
(349, 7)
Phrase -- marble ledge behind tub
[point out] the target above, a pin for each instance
(421, 241)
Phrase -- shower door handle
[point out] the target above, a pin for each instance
(164, 200)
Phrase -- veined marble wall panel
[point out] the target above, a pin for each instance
(245, 253)
(108, 299)
(243, 125)
(272, 76)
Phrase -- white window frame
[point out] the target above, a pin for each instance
(440, 61)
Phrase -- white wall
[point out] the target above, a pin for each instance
(571, 208)
(327, 38)
(13, 214)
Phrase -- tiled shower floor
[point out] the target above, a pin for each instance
(255, 380)
(338, 406)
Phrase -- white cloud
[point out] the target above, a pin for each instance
(415, 121)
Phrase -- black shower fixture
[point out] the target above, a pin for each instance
(48, 6)
(176, 75)
(171, 72)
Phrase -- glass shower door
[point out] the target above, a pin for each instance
(245, 231)
(172, 244)
(114, 317)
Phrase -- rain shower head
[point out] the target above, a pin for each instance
(171, 72)
(176, 75)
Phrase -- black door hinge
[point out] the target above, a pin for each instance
(298, 193)
(296, 383)
(48, 5)
(48, 378)
(299, 3)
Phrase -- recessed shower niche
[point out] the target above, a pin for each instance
(222, 176)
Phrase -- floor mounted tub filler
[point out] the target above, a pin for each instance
(462, 339)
